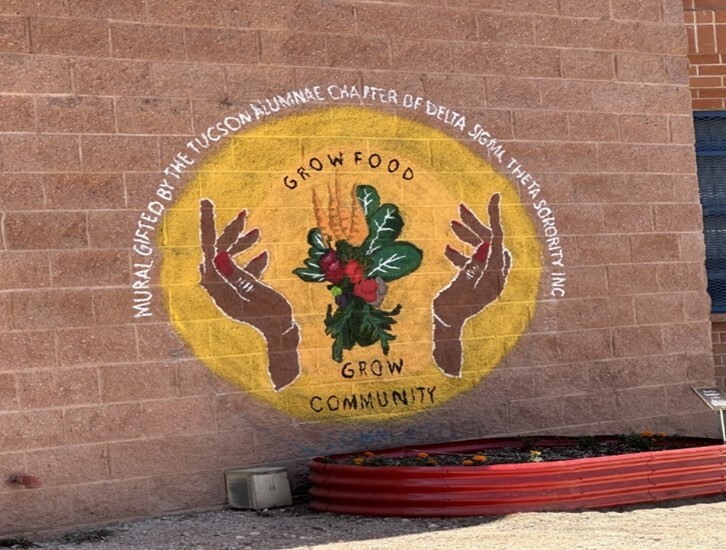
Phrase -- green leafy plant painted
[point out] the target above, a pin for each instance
(355, 250)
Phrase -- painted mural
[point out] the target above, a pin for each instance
(349, 263)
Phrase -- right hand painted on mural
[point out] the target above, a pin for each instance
(241, 295)
(479, 282)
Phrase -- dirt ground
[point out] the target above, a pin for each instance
(699, 523)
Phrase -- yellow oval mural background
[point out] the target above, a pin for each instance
(248, 174)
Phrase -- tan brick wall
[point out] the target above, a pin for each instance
(117, 417)
(706, 26)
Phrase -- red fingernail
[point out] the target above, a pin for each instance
(223, 263)
(464, 208)
(242, 214)
(259, 256)
(482, 252)
(254, 233)
(457, 223)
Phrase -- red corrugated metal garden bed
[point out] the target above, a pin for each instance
(419, 491)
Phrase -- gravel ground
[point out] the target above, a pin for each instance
(694, 524)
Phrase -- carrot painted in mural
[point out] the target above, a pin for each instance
(478, 283)
(242, 296)
(354, 249)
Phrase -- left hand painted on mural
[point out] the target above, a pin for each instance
(241, 295)
(479, 282)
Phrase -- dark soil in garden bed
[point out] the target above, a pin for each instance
(527, 450)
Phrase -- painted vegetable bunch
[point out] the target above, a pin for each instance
(354, 250)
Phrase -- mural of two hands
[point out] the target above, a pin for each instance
(238, 291)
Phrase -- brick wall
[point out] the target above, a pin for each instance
(719, 349)
(706, 26)
(119, 418)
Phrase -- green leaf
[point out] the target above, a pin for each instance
(313, 265)
(375, 327)
(395, 261)
(315, 239)
(335, 327)
(309, 275)
(384, 227)
(367, 335)
(359, 323)
(337, 351)
(312, 272)
(343, 326)
(368, 198)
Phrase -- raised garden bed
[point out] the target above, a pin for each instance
(382, 484)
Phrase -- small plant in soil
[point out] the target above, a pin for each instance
(526, 451)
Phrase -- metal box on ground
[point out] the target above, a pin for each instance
(257, 488)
